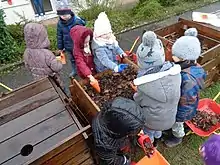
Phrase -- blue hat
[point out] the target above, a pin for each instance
(63, 7)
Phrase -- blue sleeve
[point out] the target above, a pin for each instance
(189, 99)
(119, 51)
(103, 58)
(60, 44)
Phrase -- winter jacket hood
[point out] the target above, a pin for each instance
(84, 62)
(158, 94)
(36, 36)
(38, 59)
(110, 127)
(79, 34)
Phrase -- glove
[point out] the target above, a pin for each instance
(94, 83)
(120, 57)
(121, 67)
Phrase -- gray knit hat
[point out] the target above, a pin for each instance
(187, 48)
(191, 32)
(63, 7)
(151, 52)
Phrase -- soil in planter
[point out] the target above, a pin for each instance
(112, 86)
(174, 36)
(205, 121)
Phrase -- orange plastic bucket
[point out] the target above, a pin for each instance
(209, 106)
(156, 159)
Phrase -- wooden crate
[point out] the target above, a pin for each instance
(38, 127)
(210, 59)
(86, 105)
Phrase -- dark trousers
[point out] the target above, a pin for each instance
(39, 7)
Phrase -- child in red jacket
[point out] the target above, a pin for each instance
(82, 52)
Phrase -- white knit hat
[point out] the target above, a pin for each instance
(102, 25)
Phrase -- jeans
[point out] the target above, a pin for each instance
(39, 7)
(152, 134)
(178, 129)
(73, 64)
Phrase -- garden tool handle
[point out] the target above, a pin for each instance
(6, 87)
(135, 42)
(215, 98)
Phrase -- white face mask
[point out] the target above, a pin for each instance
(86, 45)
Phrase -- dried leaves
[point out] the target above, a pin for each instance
(114, 85)
(205, 121)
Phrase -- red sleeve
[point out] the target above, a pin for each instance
(81, 64)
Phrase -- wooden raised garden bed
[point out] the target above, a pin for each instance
(210, 41)
(38, 127)
(83, 100)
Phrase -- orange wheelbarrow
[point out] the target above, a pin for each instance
(156, 159)
(210, 106)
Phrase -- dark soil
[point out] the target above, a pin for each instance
(174, 36)
(112, 86)
(205, 121)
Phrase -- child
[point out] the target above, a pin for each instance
(186, 50)
(158, 86)
(111, 128)
(210, 150)
(105, 47)
(37, 57)
(67, 20)
(84, 58)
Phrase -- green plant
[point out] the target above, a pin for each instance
(167, 2)
(8, 46)
(149, 9)
(52, 35)
(17, 32)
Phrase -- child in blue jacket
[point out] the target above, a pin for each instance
(186, 50)
(67, 20)
(105, 47)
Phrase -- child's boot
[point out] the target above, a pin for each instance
(173, 141)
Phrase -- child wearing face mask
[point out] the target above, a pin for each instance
(67, 20)
(82, 53)
(105, 47)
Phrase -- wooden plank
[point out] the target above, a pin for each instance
(211, 74)
(83, 101)
(80, 158)
(168, 29)
(202, 28)
(211, 64)
(41, 149)
(210, 54)
(30, 119)
(69, 153)
(27, 105)
(34, 135)
(88, 162)
(62, 145)
(24, 93)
